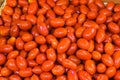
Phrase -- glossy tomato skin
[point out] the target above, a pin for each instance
(30, 45)
(114, 29)
(11, 64)
(34, 77)
(25, 25)
(40, 39)
(102, 77)
(84, 75)
(109, 48)
(15, 77)
(69, 64)
(101, 19)
(51, 54)
(2, 58)
(107, 60)
(40, 58)
(90, 66)
(60, 32)
(32, 9)
(84, 56)
(33, 53)
(116, 58)
(58, 70)
(25, 72)
(96, 55)
(110, 72)
(72, 75)
(89, 33)
(101, 68)
(83, 43)
(73, 47)
(57, 22)
(37, 70)
(63, 45)
(61, 77)
(100, 36)
(6, 48)
(21, 62)
(46, 76)
(47, 65)
(8, 10)
(5, 71)
(74, 59)
(42, 29)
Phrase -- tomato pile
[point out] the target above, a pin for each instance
(60, 40)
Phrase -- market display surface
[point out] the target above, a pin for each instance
(60, 40)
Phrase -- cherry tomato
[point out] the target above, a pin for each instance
(114, 29)
(5, 72)
(89, 33)
(6, 48)
(51, 54)
(72, 75)
(84, 9)
(57, 22)
(61, 77)
(12, 3)
(46, 76)
(96, 55)
(110, 5)
(101, 68)
(21, 62)
(69, 64)
(15, 77)
(109, 48)
(8, 10)
(33, 53)
(27, 37)
(47, 65)
(100, 35)
(116, 59)
(30, 45)
(107, 60)
(58, 10)
(32, 9)
(11, 64)
(110, 72)
(58, 70)
(83, 43)
(25, 72)
(60, 32)
(72, 49)
(63, 45)
(40, 58)
(83, 75)
(37, 70)
(117, 75)
(90, 66)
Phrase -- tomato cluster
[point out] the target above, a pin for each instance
(60, 40)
